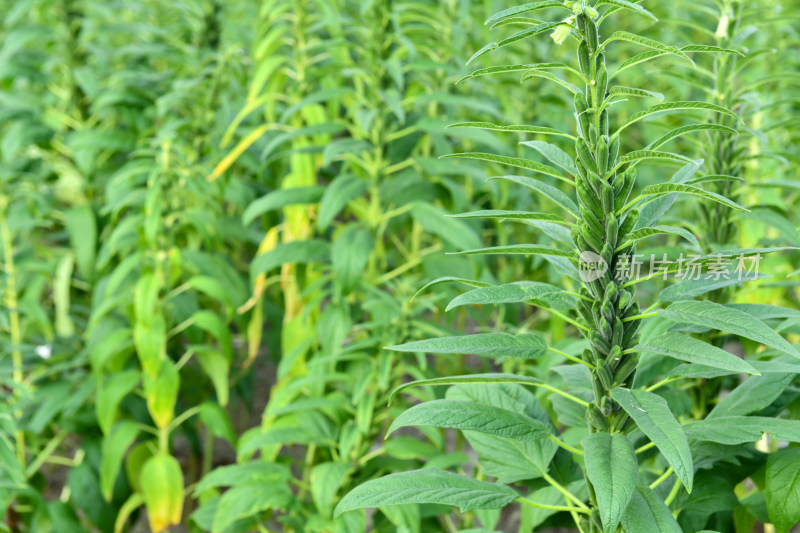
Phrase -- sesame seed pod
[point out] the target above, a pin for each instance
(596, 418)
(601, 152)
(584, 58)
(604, 374)
(612, 227)
(585, 154)
(628, 224)
(607, 197)
(581, 110)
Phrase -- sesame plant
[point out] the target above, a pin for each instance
(623, 455)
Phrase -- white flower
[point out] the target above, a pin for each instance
(561, 33)
(44, 351)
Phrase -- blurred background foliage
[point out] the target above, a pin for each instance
(214, 215)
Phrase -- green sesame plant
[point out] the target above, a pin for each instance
(622, 454)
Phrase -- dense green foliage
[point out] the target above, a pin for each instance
(341, 266)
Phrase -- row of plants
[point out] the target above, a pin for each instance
(236, 238)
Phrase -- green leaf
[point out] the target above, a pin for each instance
(531, 32)
(640, 155)
(428, 485)
(337, 195)
(551, 192)
(644, 41)
(647, 514)
(281, 198)
(690, 128)
(644, 233)
(523, 291)
(512, 162)
(524, 8)
(350, 255)
(756, 393)
(555, 154)
(511, 215)
(514, 129)
(504, 69)
(483, 51)
(111, 393)
(783, 488)
(311, 251)
(435, 220)
(733, 430)
(115, 445)
(693, 350)
(676, 106)
(244, 501)
(471, 378)
(535, 73)
(82, 228)
(326, 478)
(252, 473)
(619, 90)
(717, 316)
(631, 6)
(450, 279)
(471, 416)
(663, 189)
(612, 469)
(524, 346)
(518, 249)
(651, 413)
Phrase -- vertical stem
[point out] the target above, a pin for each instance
(13, 316)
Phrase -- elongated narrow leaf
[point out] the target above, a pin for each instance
(518, 249)
(428, 485)
(524, 8)
(315, 250)
(693, 350)
(555, 154)
(643, 233)
(531, 32)
(500, 69)
(647, 514)
(684, 130)
(639, 155)
(676, 106)
(662, 189)
(651, 413)
(281, 198)
(450, 279)
(551, 192)
(511, 215)
(483, 51)
(535, 73)
(525, 346)
(510, 293)
(512, 128)
(337, 195)
(714, 178)
(783, 488)
(754, 394)
(471, 416)
(637, 60)
(648, 43)
(612, 469)
(619, 90)
(512, 162)
(732, 430)
(471, 378)
(704, 48)
(717, 316)
(624, 4)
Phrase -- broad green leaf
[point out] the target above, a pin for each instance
(647, 514)
(554, 154)
(161, 393)
(773, 219)
(733, 430)
(311, 251)
(326, 478)
(471, 378)
(471, 416)
(624, 4)
(518, 249)
(115, 445)
(766, 311)
(708, 372)
(620, 90)
(349, 255)
(783, 488)
(654, 191)
(524, 346)
(691, 288)
(428, 485)
(676, 106)
(754, 394)
(512, 162)
(216, 366)
(524, 8)
(523, 291)
(644, 233)
(161, 482)
(651, 413)
(281, 198)
(243, 501)
(647, 43)
(435, 220)
(713, 315)
(110, 394)
(551, 192)
(511, 215)
(81, 225)
(252, 473)
(693, 350)
(337, 195)
(513, 129)
(612, 469)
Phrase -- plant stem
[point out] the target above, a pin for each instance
(552, 507)
(571, 357)
(662, 478)
(565, 445)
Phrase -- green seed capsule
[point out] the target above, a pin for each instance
(591, 222)
(612, 226)
(613, 152)
(614, 356)
(585, 154)
(597, 340)
(619, 331)
(625, 368)
(628, 224)
(624, 298)
(591, 35)
(593, 133)
(607, 253)
(607, 197)
(629, 179)
(584, 58)
(602, 77)
(596, 418)
(604, 123)
(607, 308)
(589, 200)
(604, 375)
(601, 155)
(611, 293)
(628, 338)
(581, 110)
